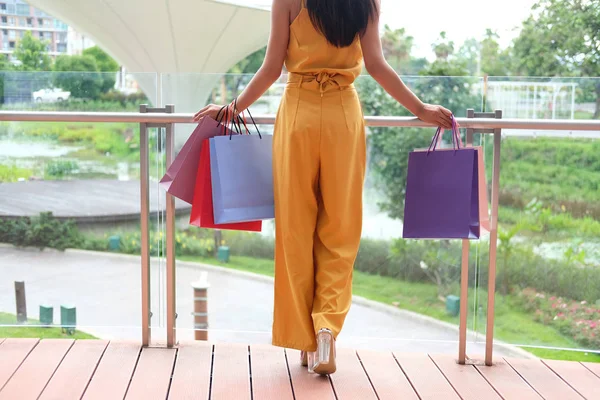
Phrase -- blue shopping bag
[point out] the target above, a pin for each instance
(242, 178)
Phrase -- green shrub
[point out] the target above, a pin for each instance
(249, 244)
(518, 267)
(563, 173)
(12, 173)
(60, 168)
(44, 231)
(561, 224)
(186, 243)
(125, 100)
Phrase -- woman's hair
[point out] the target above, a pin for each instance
(340, 21)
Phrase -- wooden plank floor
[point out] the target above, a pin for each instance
(66, 369)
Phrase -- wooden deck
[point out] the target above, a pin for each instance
(67, 369)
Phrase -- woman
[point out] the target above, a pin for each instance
(319, 155)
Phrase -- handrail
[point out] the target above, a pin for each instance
(164, 118)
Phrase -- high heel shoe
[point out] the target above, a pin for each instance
(304, 358)
(322, 361)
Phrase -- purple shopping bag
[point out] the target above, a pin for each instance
(180, 179)
(442, 192)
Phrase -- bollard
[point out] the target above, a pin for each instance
(68, 319)
(46, 315)
(114, 243)
(21, 302)
(223, 254)
(200, 312)
(453, 305)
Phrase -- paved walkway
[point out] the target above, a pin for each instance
(81, 200)
(106, 291)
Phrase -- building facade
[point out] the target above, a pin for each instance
(18, 17)
(77, 42)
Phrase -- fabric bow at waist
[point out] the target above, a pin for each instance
(324, 80)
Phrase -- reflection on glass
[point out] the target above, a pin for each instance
(71, 189)
(547, 283)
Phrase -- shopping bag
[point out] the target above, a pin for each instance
(202, 206)
(484, 210)
(242, 178)
(181, 175)
(484, 216)
(442, 192)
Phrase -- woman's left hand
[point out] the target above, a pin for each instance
(211, 110)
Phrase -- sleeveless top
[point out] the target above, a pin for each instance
(310, 54)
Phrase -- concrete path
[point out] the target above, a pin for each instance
(105, 288)
(81, 200)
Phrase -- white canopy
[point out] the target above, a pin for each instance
(182, 38)
(167, 35)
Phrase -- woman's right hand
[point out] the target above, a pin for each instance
(436, 115)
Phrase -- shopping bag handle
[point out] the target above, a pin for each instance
(224, 120)
(456, 139)
(223, 114)
(242, 119)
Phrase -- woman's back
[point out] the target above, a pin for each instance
(309, 51)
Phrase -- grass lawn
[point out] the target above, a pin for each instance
(583, 115)
(512, 325)
(33, 331)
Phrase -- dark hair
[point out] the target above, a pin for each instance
(340, 21)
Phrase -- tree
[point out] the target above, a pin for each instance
(470, 54)
(561, 38)
(397, 47)
(32, 54)
(106, 64)
(494, 61)
(241, 72)
(443, 47)
(443, 82)
(79, 75)
(5, 67)
(485, 57)
(446, 81)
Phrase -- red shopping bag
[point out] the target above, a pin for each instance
(202, 206)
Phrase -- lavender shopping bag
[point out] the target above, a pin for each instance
(180, 179)
(242, 178)
(442, 193)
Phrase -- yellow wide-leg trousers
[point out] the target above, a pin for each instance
(319, 158)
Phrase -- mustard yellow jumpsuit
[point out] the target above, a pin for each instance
(319, 155)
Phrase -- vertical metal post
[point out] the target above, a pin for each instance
(534, 101)
(464, 299)
(464, 277)
(489, 339)
(170, 245)
(485, 93)
(144, 229)
(554, 97)
(573, 102)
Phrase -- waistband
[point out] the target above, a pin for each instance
(325, 81)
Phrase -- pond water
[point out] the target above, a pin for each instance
(36, 155)
(557, 250)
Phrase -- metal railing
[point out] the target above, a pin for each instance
(476, 123)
